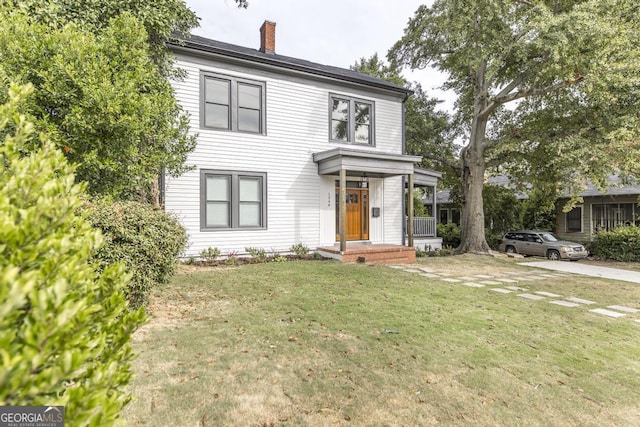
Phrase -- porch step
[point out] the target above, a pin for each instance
(373, 254)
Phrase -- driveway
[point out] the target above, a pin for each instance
(587, 270)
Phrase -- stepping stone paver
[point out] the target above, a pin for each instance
(523, 279)
(468, 278)
(515, 288)
(473, 285)
(490, 282)
(548, 294)
(397, 267)
(451, 280)
(580, 300)
(412, 270)
(531, 296)
(430, 275)
(535, 278)
(501, 290)
(564, 303)
(623, 308)
(483, 276)
(426, 269)
(507, 280)
(637, 320)
(606, 312)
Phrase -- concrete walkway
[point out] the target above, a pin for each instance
(587, 270)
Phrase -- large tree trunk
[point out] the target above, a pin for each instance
(472, 221)
(473, 168)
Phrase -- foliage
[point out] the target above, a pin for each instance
(299, 249)
(231, 258)
(428, 131)
(418, 206)
(210, 254)
(98, 92)
(145, 239)
(259, 254)
(450, 234)
(65, 330)
(621, 244)
(539, 210)
(162, 19)
(501, 209)
(548, 90)
(444, 251)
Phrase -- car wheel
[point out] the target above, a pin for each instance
(553, 255)
(510, 249)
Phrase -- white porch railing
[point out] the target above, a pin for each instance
(422, 226)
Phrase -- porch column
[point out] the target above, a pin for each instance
(434, 209)
(410, 212)
(342, 211)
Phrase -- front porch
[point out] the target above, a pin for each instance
(371, 253)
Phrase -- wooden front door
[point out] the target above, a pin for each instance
(357, 215)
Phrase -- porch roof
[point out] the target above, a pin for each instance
(425, 177)
(372, 164)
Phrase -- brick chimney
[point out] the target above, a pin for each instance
(268, 37)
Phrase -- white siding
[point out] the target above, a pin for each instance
(297, 197)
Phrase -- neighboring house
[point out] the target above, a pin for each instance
(599, 211)
(278, 139)
(446, 210)
(619, 205)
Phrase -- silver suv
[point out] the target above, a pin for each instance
(541, 243)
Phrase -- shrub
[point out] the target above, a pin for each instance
(299, 249)
(450, 234)
(259, 255)
(232, 258)
(492, 237)
(146, 239)
(210, 254)
(65, 331)
(621, 244)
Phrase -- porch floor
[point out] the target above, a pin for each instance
(371, 253)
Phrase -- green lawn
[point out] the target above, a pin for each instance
(308, 343)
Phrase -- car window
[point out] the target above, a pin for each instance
(532, 238)
(548, 237)
(514, 236)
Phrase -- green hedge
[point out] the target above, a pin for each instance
(450, 234)
(146, 239)
(621, 244)
(65, 331)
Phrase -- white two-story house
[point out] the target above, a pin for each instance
(279, 139)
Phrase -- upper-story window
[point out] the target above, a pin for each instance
(232, 103)
(351, 120)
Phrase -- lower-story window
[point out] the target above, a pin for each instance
(232, 199)
(574, 220)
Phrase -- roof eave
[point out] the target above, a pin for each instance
(186, 46)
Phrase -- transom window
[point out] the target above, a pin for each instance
(232, 199)
(233, 104)
(351, 120)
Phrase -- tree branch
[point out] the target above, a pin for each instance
(439, 159)
(535, 91)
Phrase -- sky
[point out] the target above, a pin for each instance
(330, 32)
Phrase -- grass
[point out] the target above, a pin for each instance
(315, 343)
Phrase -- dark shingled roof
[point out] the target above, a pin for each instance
(206, 45)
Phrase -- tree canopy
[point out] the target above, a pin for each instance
(427, 129)
(101, 74)
(547, 90)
